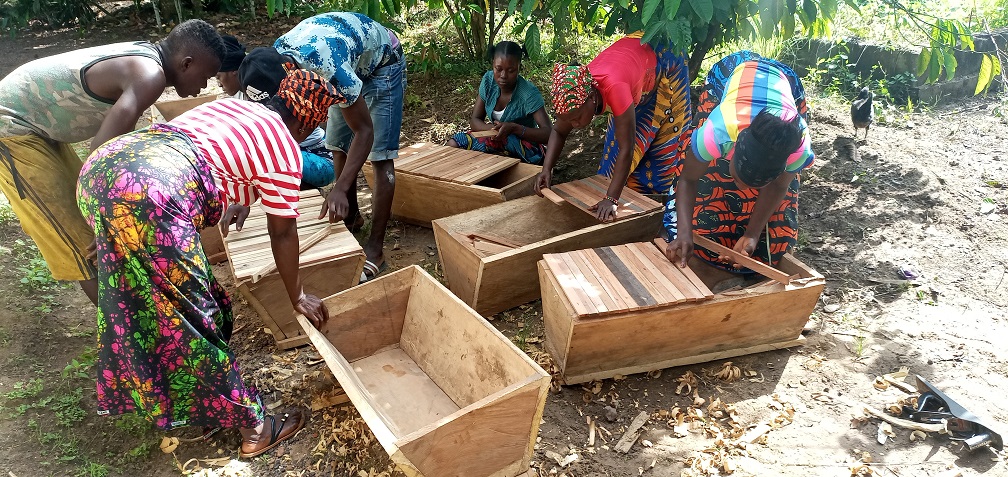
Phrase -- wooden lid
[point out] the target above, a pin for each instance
(587, 192)
(622, 278)
(249, 249)
(450, 163)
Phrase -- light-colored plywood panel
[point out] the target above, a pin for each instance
(503, 427)
(386, 374)
(365, 320)
(466, 356)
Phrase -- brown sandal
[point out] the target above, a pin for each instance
(277, 434)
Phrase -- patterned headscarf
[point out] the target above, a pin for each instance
(570, 87)
(308, 96)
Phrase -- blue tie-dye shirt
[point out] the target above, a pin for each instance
(344, 47)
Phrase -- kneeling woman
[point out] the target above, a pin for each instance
(163, 319)
(645, 88)
(737, 182)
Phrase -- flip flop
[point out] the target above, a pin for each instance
(371, 271)
(275, 435)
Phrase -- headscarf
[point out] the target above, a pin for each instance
(571, 85)
(234, 53)
(308, 96)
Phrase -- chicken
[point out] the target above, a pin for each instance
(861, 113)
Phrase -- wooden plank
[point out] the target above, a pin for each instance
(552, 196)
(671, 273)
(558, 314)
(489, 170)
(621, 298)
(592, 285)
(487, 437)
(420, 200)
(460, 264)
(662, 293)
(742, 259)
(641, 201)
(487, 248)
(487, 133)
(569, 284)
(591, 375)
(462, 353)
(672, 290)
(386, 374)
(583, 286)
(305, 245)
(638, 292)
(632, 433)
(626, 206)
(687, 272)
(435, 156)
(427, 154)
(489, 237)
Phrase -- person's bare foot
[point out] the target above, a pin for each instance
(273, 431)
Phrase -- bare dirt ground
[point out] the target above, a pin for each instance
(925, 192)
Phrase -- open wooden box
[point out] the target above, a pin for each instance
(443, 391)
(492, 279)
(331, 265)
(171, 108)
(764, 316)
(428, 187)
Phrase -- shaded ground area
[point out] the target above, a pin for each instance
(924, 192)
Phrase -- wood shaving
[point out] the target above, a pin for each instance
(728, 372)
(688, 381)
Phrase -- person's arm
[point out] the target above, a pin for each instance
(358, 119)
(555, 144)
(626, 126)
(284, 242)
(135, 83)
(477, 120)
(685, 200)
(768, 201)
(538, 135)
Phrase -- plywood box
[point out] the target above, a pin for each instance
(172, 108)
(334, 263)
(596, 328)
(443, 391)
(435, 181)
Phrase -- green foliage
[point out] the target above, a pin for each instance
(35, 275)
(80, 367)
(18, 13)
(24, 390)
(67, 407)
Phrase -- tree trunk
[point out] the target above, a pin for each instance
(701, 49)
(479, 33)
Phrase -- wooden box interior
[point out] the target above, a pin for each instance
(421, 366)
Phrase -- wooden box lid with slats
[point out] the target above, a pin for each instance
(627, 309)
(330, 261)
(434, 181)
(622, 278)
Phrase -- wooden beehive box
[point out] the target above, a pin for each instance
(627, 309)
(443, 391)
(171, 108)
(489, 255)
(329, 266)
(435, 181)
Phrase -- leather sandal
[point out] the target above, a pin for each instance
(277, 434)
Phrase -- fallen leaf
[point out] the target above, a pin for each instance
(169, 444)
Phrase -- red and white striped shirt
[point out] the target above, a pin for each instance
(250, 151)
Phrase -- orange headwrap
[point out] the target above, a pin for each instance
(308, 96)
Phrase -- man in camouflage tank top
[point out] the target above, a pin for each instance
(100, 92)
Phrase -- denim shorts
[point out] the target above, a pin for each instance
(383, 92)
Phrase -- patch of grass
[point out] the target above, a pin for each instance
(24, 390)
(68, 409)
(80, 367)
(35, 276)
(7, 216)
(93, 469)
(132, 424)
